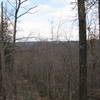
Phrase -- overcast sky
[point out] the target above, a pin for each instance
(38, 24)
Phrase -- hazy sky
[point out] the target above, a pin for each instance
(39, 23)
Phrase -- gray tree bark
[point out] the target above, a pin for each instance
(1, 35)
(2, 57)
(82, 51)
(99, 16)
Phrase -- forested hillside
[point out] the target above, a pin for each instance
(51, 70)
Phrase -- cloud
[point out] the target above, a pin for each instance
(34, 26)
(43, 8)
(63, 1)
(62, 13)
(57, 0)
(38, 23)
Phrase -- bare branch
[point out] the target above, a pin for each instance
(32, 12)
(16, 4)
(11, 4)
(91, 4)
(9, 20)
(26, 11)
(23, 1)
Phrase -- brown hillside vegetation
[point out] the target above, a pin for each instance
(49, 70)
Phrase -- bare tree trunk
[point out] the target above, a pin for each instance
(99, 16)
(15, 20)
(0, 77)
(69, 88)
(3, 74)
(1, 21)
(2, 58)
(14, 35)
(82, 51)
(1, 50)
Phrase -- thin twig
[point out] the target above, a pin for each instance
(26, 11)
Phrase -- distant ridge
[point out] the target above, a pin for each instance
(38, 43)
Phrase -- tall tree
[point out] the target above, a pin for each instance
(18, 5)
(1, 39)
(82, 51)
(99, 16)
(2, 55)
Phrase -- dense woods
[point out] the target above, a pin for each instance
(50, 70)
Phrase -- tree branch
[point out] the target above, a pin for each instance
(23, 1)
(11, 4)
(91, 4)
(26, 11)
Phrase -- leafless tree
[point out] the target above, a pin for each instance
(82, 51)
(5, 39)
(99, 16)
(18, 5)
(1, 50)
